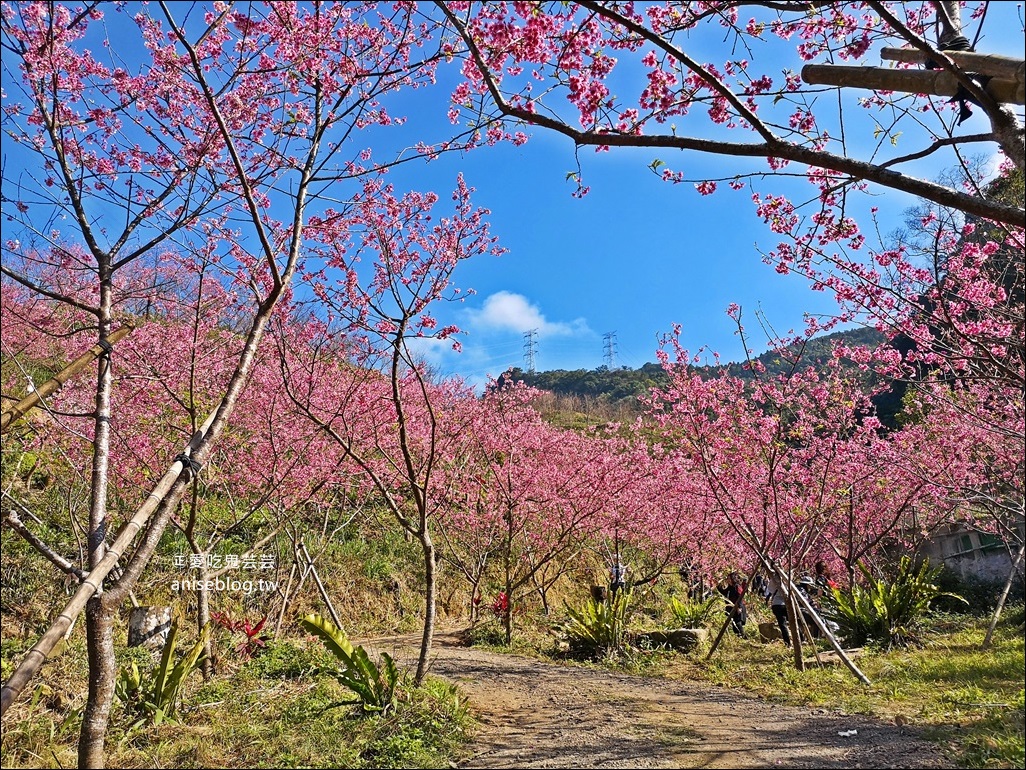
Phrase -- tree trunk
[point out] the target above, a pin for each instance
(100, 643)
(796, 635)
(430, 591)
(475, 600)
(202, 618)
(99, 618)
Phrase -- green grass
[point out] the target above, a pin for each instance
(272, 711)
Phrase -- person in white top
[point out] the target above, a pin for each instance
(777, 600)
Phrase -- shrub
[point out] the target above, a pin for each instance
(886, 613)
(286, 660)
(599, 629)
(488, 634)
(500, 605)
(980, 594)
(250, 640)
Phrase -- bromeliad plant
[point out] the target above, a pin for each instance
(886, 613)
(374, 685)
(599, 628)
(691, 613)
(154, 701)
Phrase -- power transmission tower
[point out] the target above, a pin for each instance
(530, 349)
(609, 345)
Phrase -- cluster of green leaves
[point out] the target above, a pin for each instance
(154, 699)
(886, 613)
(690, 613)
(374, 685)
(599, 628)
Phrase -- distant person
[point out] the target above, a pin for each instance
(617, 576)
(820, 590)
(777, 600)
(734, 592)
(759, 587)
(807, 587)
(825, 584)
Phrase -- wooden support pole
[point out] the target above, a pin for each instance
(320, 586)
(792, 622)
(804, 600)
(35, 657)
(936, 82)
(285, 600)
(991, 65)
(989, 637)
(55, 383)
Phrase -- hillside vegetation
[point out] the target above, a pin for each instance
(613, 394)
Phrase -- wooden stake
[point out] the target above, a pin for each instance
(989, 637)
(826, 632)
(730, 615)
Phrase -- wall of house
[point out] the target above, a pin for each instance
(970, 553)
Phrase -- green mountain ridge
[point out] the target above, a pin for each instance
(615, 385)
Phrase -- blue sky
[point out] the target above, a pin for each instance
(636, 255)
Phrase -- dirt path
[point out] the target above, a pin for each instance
(542, 715)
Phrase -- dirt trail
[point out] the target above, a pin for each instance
(535, 714)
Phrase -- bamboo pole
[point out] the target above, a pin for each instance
(55, 383)
(285, 600)
(936, 82)
(320, 586)
(793, 624)
(992, 65)
(35, 657)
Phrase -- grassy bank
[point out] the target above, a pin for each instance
(276, 710)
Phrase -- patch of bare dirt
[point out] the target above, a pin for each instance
(535, 714)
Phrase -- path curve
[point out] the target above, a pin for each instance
(535, 714)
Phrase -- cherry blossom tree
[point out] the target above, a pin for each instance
(612, 75)
(215, 133)
(659, 520)
(976, 463)
(609, 74)
(537, 491)
(354, 372)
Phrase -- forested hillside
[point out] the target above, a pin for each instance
(605, 393)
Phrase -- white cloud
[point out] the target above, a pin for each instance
(506, 311)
